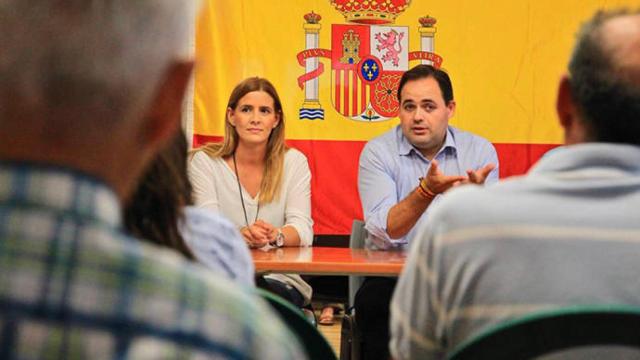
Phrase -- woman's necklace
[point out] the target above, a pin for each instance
(244, 210)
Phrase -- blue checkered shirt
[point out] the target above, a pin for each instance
(73, 286)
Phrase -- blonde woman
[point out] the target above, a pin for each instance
(258, 183)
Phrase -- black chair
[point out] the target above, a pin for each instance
(350, 337)
(556, 330)
(311, 339)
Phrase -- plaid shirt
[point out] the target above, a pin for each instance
(73, 286)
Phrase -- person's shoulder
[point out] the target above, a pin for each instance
(387, 137)
(203, 219)
(468, 137)
(201, 158)
(158, 270)
(238, 310)
(471, 195)
(295, 154)
(295, 157)
(472, 146)
(165, 279)
(383, 143)
(470, 205)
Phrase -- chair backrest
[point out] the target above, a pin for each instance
(311, 339)
(356, 241)
(358, 234)
(550, 331)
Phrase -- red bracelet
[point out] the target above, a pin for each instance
(425, 187)
(423, 194)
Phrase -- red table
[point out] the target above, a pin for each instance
(329, 261)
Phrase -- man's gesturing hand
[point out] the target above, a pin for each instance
(480, 175)
(438, 182)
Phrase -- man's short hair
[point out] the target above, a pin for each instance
(98, 58)
(424, 71)
(607, 99)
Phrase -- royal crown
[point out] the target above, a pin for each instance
(427, 21)
(312, 18)
(370, 11)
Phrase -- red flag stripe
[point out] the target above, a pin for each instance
(334, 196)
(345, 93)
(354, 94)
(337, 90)
(363, 96)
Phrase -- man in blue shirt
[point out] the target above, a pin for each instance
(89, 92)
(402, 173)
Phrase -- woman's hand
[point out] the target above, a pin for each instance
(271, 230)
(255, 235)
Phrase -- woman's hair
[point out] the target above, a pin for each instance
(276, 148)
(155, 210)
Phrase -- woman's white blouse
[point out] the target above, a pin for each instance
(216, 187)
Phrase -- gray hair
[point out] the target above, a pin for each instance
(606, 92)
(101, 59)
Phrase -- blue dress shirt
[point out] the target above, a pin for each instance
(216, 242)
(390, 167)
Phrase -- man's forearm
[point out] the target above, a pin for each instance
(404, 215)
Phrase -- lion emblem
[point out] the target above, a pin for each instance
(387, 42)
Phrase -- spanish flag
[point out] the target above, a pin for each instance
(336, 65)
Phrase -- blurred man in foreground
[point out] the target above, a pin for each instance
(565, 234)
(89, 91)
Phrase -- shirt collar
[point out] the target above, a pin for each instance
(58, 189)
(405, 147)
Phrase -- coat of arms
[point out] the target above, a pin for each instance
(368, 56)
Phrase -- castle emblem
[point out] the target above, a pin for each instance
(368, 56)
(350, 47)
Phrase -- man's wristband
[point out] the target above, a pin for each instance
(423, 194)
(425, 188)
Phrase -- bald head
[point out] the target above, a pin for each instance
(92, 84)
(604, 77)
(621, 38)
(78, 57)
